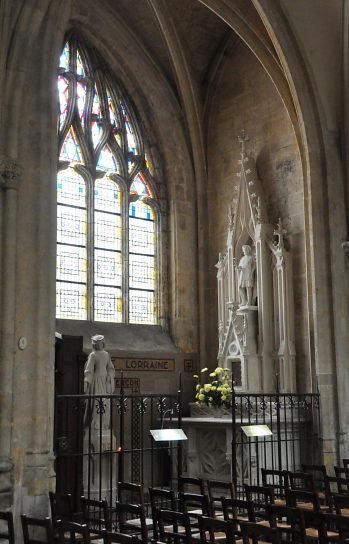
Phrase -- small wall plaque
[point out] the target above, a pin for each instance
(139, 365)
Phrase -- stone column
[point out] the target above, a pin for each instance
(265, 306)
(286, 349)
(9, 179)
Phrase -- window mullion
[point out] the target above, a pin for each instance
(126, 262)
(90, 250)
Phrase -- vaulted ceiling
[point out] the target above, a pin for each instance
(200, 32)
(188, 41)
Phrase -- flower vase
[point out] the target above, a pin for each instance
(216, 411)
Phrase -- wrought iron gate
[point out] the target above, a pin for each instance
(294, 421)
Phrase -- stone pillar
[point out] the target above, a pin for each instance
(265, 306)
(9, 179)
(286, 349)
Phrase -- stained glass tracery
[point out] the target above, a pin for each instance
(99, 138)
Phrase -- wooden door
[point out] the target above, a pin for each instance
(68, 439)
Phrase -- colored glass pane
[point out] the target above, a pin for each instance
(140, 210)
(112, 112)
(71, 263)
(70, 149)
(96, 104)
(96, 133)
(106, 160)
(107, 196)
(71, 225)
(71, 301)
(107, 231)
(131, 140)
(140, 187)
(79, 65)
(71, 188)
(107, 304)
(117, 136)
(64, 58)
(141, 236)
(81, 98)
(107, 268)
(63, 97)
(142, 272)
(142, 307)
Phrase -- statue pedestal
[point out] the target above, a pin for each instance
(252, 365)
(99, 464)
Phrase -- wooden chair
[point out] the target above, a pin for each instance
(343, 475)
(300, 498)
(216, 529)
(7, 533)
(319, 475)
(78, 532)
(278, 481)
(309, 502)
(118, 538)
(341, 504)
(191, 485)
(301, 480)
(216, 490)
(174, 527)
(129, 493)
(237, 510)
(194, 506)
(36, 531)
(333, 528)
(255, 533)
(61, 507)
(161, 499)
(131, 520)
(95, 514)
(289, 522)
(260, 496)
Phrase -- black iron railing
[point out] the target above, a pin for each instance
(102, 440)
(293, 420)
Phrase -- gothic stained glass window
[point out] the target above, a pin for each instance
(106, 198)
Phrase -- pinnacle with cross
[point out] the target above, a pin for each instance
(242, 139)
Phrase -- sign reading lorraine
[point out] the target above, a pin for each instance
(135, 363)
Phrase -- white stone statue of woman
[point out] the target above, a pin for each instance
(98, 380)
(246, 276)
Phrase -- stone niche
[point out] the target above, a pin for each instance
(255, 296)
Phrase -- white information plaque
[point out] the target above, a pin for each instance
(256, 430)
(168, 435)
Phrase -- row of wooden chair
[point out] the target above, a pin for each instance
(294, 524)
(312, 478)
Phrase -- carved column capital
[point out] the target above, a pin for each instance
(10, 173)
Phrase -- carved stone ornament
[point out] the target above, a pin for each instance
(10, 173)
(254, 288)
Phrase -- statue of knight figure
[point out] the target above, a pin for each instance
(246, 276)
